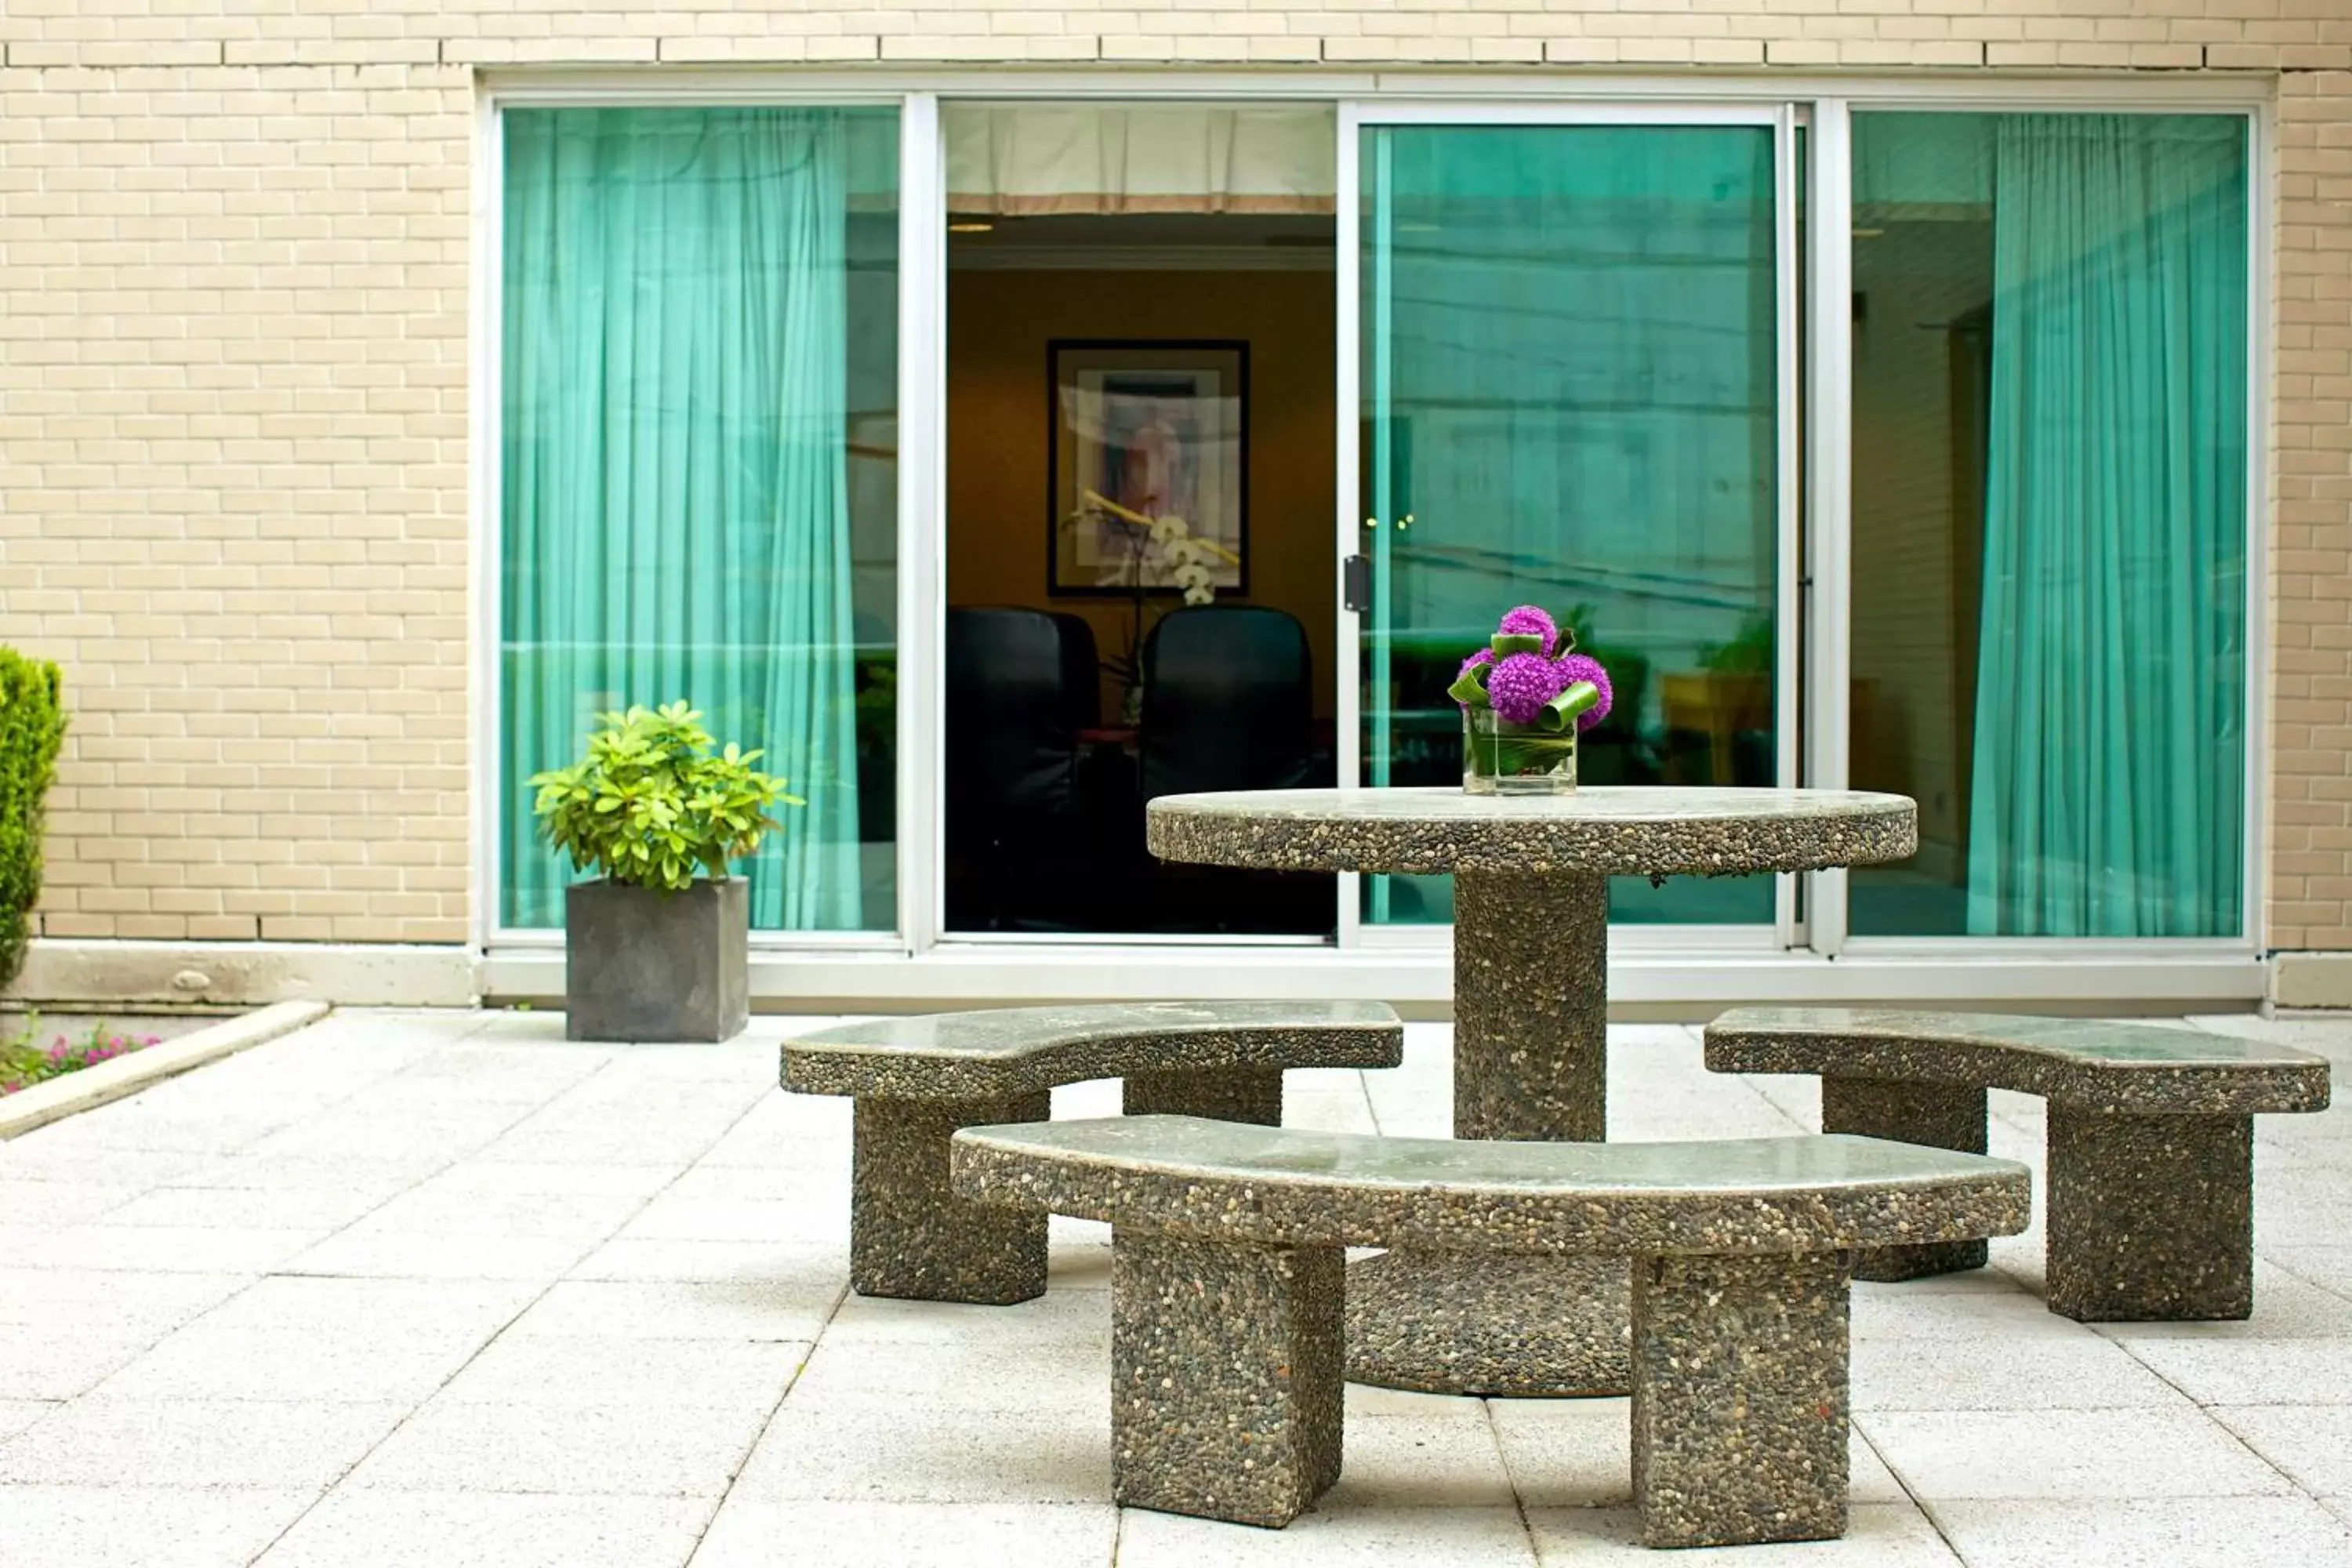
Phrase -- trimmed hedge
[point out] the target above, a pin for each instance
(32, 728)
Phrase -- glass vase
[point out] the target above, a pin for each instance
(1502, 758)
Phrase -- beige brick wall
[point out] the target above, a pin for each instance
(233, 428)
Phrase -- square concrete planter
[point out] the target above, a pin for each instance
(643, 965)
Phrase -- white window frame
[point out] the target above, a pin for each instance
(1808, 954)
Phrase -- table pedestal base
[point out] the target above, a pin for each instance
(1444, 1323)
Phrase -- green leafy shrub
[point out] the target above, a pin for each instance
(650, 805)
(32, 728)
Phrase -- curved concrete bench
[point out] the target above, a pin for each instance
(916, 1080)
(2152, 1136)
(1226, 1292)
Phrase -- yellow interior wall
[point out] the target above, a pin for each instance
(999, 323)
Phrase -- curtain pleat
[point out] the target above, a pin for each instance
(2108, 774)
(675, 488)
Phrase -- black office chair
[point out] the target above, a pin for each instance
(1229, 704)
(1020, 685)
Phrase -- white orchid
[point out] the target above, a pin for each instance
(1170, 530)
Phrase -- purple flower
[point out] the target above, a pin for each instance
(1578, 667)
(1528, 621)
(1520, 686)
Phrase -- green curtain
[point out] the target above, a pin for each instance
(2110, 721)
(674, 447)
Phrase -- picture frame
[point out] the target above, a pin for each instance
(1159, 427)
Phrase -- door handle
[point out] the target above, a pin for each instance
(1356, 582)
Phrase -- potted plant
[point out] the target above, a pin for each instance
(658, 947)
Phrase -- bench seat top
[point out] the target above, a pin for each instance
(1184, 1175)
(1018, 1050)
(2135, 1068)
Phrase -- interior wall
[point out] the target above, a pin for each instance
(998, 482)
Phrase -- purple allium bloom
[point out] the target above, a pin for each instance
(1485, 656)
(1528, 621)
(1520, 686)
(1578, 667)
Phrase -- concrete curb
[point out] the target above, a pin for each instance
(62, 1096)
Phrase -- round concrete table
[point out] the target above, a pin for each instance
(1530, 1016)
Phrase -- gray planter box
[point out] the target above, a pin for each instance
(642, 965)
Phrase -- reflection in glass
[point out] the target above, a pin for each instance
(2050, 395)
(1568, 367)
(698, 461)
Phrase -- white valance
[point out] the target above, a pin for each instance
(1029, 160)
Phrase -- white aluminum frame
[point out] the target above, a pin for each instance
(1779, 117)
(1655, 967)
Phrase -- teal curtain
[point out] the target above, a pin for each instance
(2110, 719)
(676, 501)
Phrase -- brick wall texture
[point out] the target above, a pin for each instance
(234, 277)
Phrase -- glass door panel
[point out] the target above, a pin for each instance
(1570, 373)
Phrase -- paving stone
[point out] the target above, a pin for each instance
(1411, 1461)
(912, 1534)
(1047, 1374)
(1947, 1454)
(1878, 1535)
(42, 1297)
(2312, 1444)
(814, 1219)
(494, 1178)
(682, 1310)
(115, 1526)
(198, 1443)
(165, 1250)
(438, 1209)
(31, 1204)
(2326, 1266)
(387, 1308)
(208, 1362)
(914, 1454)
(68, 1360)
(1456, 1537)
(1983, 1373)
(490, 1530)
(1073, 1322)
(2250, 1371)
(383, 1178)
(2171, 1533)
(245, 1208)
(16, 1414)
(716, 1374)
(749, 1263)
(1940, 1310)
(366, 1251)
(36, 1156)
(621, 1450)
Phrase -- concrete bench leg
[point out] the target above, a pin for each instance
(1225, 1376)
(2152, 1217)
(1937, 1115)
(1221, 1094)
(1739, 1398)
(910, 1234)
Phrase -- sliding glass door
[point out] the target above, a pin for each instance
(1575, 378)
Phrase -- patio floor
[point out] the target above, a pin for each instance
(441, 1290)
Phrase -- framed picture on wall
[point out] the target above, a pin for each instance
(1143, 429)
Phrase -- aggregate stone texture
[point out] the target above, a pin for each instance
(2128, 1068)
(1013, 1050)
(1601, 831)
(1226, 1391)
(1436, 1322)
(1531, 1004)
(2151, 1134)
(910, 1234)
(1942, 1115)
(1233, 1094)
(2150, 1217)
(1289, 1187)
(1739, 1398)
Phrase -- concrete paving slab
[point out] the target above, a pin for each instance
(352, 1529)
(1878, 1535)
(912, 1534)
(1330, 1538)
(1947, 1455)
(2182, 1532)
(103, 1526)
(2312, 1444)
(570, 1449)
(137, 1443)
